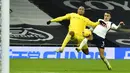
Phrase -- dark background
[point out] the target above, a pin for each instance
(55, 8)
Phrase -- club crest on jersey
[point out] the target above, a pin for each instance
(103, 24)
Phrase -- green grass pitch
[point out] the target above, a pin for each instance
(67, 66)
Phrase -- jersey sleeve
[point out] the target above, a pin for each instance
(66, 17)
(91, 23)
(114, 26)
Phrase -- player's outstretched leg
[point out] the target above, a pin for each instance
(87, 35)
(78, 50)
(84, 49)
(82, 44)
(107, 63)
(101, 50)
(59, 50)
(66, 40)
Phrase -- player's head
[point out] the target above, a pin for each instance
(81, 10)
(107, 16)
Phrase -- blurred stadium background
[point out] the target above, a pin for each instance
(31, 36)
(35, 13)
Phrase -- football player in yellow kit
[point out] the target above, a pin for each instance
(77, 25)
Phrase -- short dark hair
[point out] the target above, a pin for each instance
(108, 12)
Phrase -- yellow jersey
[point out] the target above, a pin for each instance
(77, 22)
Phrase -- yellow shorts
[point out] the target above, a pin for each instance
(78, 39)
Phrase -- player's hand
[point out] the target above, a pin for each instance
(122, 23)
(48, 22)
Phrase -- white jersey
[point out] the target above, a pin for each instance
(102, 29)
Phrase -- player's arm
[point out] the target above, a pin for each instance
(91, 23)
(98, 22)
(67, 16)
(113, 26)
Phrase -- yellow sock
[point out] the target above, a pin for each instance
(66, 40)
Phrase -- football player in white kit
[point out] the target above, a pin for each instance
(99, 34)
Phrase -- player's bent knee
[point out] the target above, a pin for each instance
(87, 33)
(88, 36)
(71, 33)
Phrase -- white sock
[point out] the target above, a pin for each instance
(83, 43)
